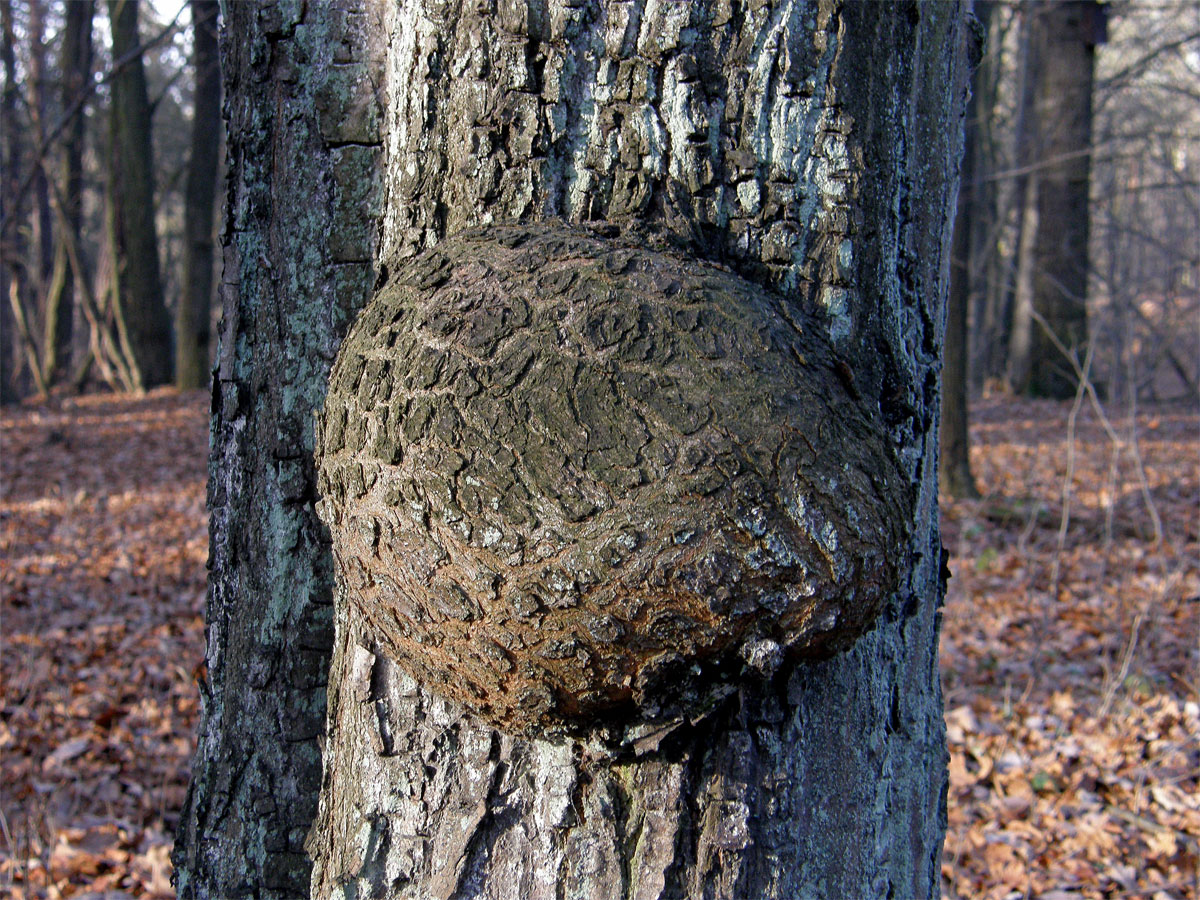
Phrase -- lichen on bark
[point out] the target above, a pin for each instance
(582, 486)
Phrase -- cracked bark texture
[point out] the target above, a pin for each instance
(299, 244)
(808, 146)
(585, 487)
(811, 148)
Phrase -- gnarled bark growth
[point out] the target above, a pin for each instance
(575, 484)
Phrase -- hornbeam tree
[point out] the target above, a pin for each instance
(602, 557)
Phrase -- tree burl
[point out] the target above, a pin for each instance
(585, 487)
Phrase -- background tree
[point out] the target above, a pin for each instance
(746, 135)
(37, 102)
(75, 69)
(954, 459)
(50, 249)
(989, 279)
(28, 243)
(41, 314)
(1140, 317)
(195, 299)
(1052, 302)
(11, 240)
(142, 321)
(1146, 203)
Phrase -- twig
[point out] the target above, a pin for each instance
(4, 827)
(1147, 824)
(1069, 478)
(28, 342)
(1110, 690)
(1035, 509)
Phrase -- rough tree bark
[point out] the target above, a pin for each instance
(142, 312)
(807, 146)
(195, 300)
(299, 243)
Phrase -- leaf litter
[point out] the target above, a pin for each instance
(1070, 657)
(103, 542)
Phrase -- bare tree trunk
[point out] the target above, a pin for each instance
(75, 64)
(988, 320)
(42, 245)
(11, 240)
(1025, 192)
(1067, 34)
(195, 300)
(954, 459)
(744, 135)
(143, 310)
(1020, 338)
(29, 255)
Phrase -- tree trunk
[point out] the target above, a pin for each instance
(744, 137)
(36, 97)
(1066, 35)
(143, 312)
(75, 63)
(195, 300)
(988, 322)
(12, 241)
(954, 459)
(299, 243)
(1027, 151)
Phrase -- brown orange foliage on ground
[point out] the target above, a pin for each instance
(1070, 656)
(103, 541)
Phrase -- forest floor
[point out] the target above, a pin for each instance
(1070, 649)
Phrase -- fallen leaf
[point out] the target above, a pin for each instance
(66, 752)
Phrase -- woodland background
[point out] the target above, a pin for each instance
(1071, 635)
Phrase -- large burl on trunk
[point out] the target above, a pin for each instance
(584, 487)
(582, 483)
